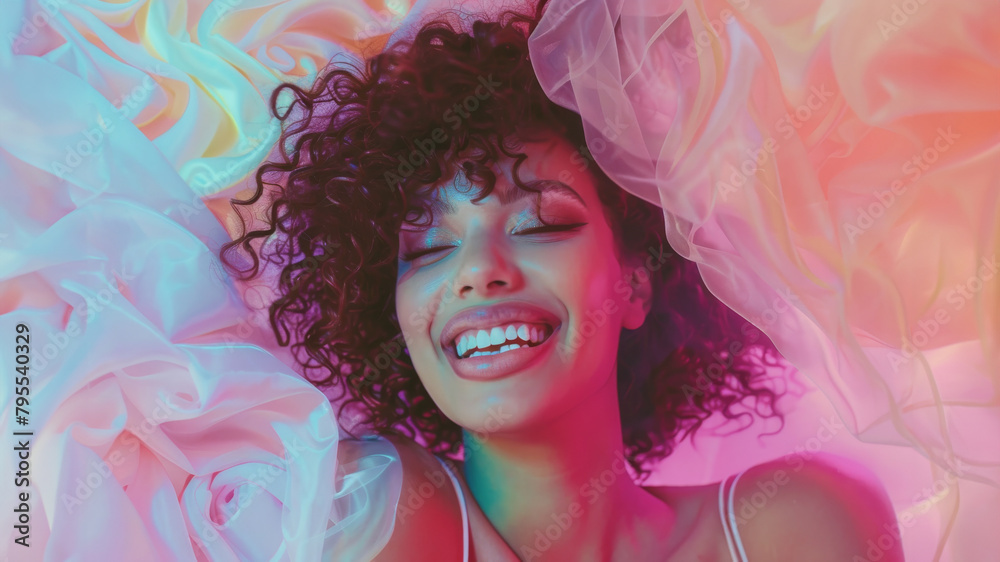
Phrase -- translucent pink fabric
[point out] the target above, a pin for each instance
(833, 168)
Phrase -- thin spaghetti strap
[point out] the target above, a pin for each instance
(729, 524)
(725, 522)
(465, 512)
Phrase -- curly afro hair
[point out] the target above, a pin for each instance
(354, 162)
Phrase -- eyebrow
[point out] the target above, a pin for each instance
(514, 194)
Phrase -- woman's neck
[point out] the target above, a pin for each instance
(561, 491)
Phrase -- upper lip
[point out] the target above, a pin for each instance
(499, 314)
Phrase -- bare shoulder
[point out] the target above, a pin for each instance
(820, 509)
(428, 516)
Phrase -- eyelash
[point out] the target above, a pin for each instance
(410, 256)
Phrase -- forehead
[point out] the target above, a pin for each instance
(552, 166)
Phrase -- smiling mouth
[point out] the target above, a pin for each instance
(500, 339)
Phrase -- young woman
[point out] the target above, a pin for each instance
(457, 265)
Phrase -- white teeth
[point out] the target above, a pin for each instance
(482, 339)
(497, 337)
(509, 337)
(468, 341)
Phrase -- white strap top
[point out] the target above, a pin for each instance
(465, 512)
(728, 515)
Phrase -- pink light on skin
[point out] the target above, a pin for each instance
(533, 438)
(542, 430)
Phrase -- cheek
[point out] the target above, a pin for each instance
(405, 311)
(413, 305)
(587, 287)
(418, 299)
(594, 273)
(413, 322)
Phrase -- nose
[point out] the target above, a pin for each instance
(487, 267)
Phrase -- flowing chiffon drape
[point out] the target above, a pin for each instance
(834, 169)
(163, 426)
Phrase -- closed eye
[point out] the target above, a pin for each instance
(551, 228)
(410, 256)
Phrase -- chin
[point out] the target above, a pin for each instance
(491, 408)
(516, 408)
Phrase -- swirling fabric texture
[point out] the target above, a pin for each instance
(161, 432)
(832, 167)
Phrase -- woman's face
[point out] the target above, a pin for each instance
(535, 311)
